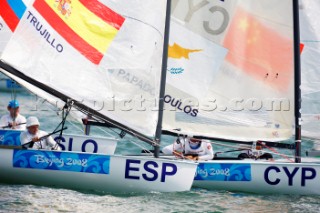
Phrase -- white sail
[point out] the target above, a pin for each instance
(5, 33)
(245, 90)
(245, 29)
(115, 62)
(310, 72)
(10, 15)
(99, 54)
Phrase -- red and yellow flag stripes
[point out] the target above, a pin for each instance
(88, 25)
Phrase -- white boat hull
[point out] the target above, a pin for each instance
(259, 177)
(103, 173)
(313, 153)
(68, 142)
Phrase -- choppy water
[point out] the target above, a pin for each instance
(42, 199)
(28, 198)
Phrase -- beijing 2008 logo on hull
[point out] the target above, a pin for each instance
(223, 172)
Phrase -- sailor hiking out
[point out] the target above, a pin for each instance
(191, 148)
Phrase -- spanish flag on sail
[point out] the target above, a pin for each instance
(89, 26)
(11, 12)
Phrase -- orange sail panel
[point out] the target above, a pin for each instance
(260, 51)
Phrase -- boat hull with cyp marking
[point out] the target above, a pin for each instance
(260, 176)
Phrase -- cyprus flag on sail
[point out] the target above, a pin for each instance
(193, 61)
(100, 53)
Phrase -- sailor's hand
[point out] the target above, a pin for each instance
(35, 139)
(12, 125)
(177, 154)
(191, 157)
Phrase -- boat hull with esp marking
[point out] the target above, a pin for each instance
(97, 172)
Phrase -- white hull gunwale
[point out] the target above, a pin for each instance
(313, 153)
(260, 176)
(68, 142)
(98, 172)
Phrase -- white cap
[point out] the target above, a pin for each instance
(32, 121)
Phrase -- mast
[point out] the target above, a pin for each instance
(297, 80)
(163, 80)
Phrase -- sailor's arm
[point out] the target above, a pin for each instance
(53, 144)
(177, 146)
(209, 153)
(21, 123)
(3, 121)
(24, 138)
